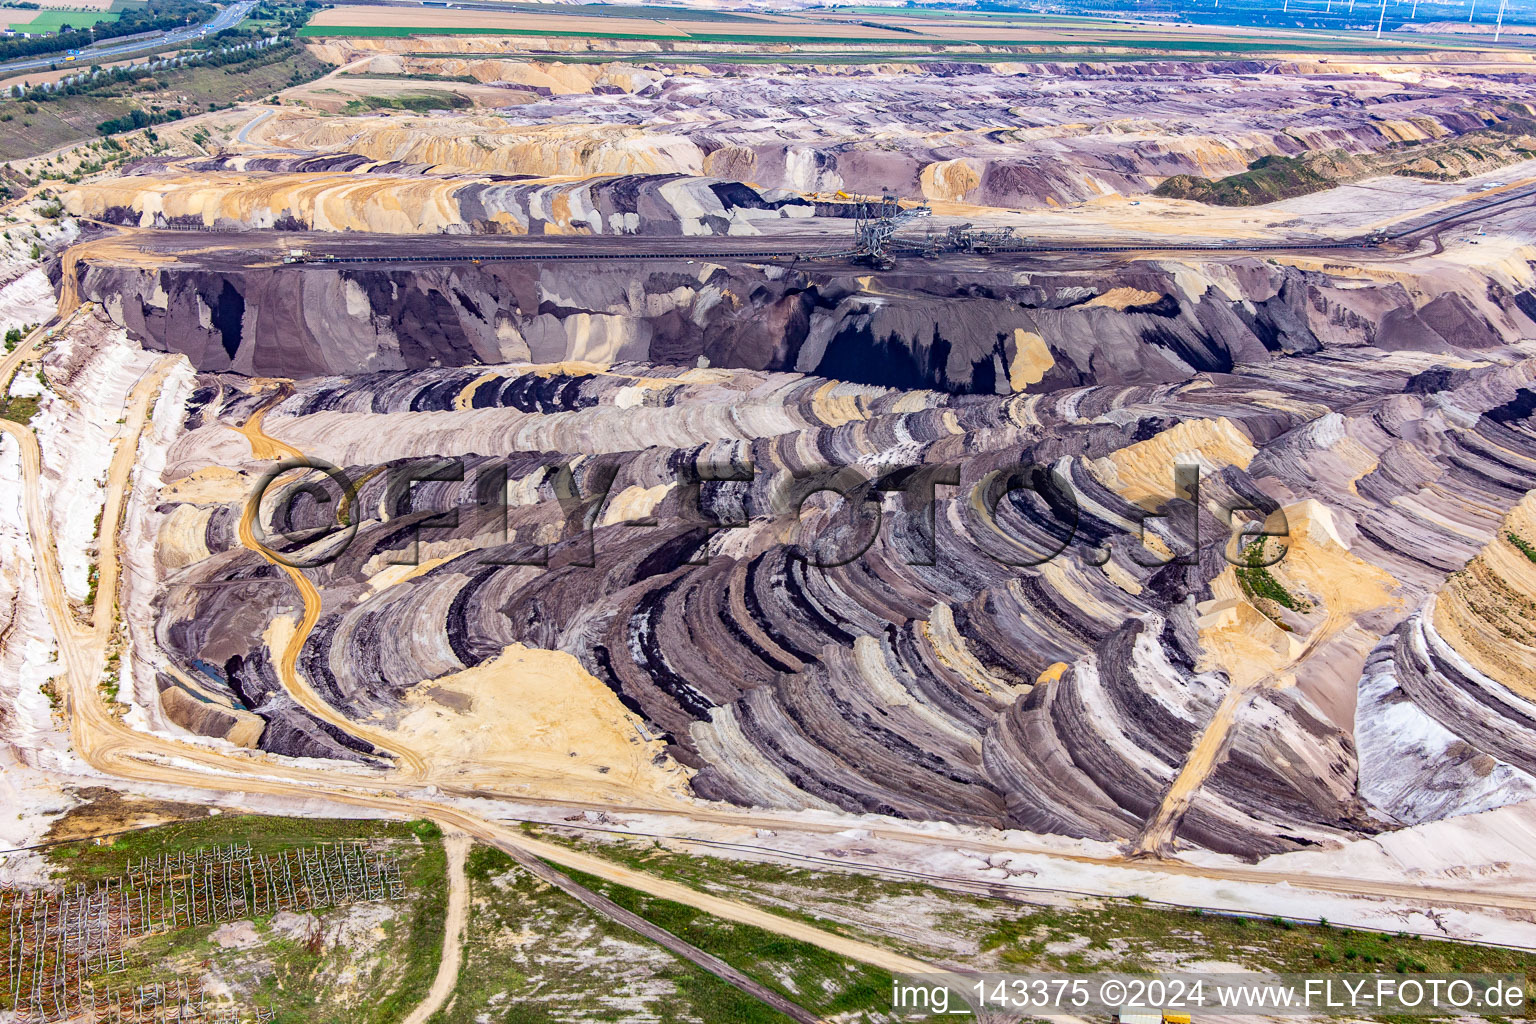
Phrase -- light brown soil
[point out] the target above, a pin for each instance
(107, 811)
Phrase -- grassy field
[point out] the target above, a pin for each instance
(1267, 180)
(1151, 44)
(390, 31)
(420, 102)
(824, 983)
(534, 955)
(1091, 935)
(890, 29)
(628, 11)
(1272, 178)
(54, 21)
(87, 861)
(18, 409)
(854, 59)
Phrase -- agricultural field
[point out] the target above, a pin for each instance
(905, 31)
(55, 21)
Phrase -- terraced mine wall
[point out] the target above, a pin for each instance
(932, 678)
(1019, 326)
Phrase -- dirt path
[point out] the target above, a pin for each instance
(605, 906)
(1157, 834)
(457, 845)
(263, 446)
(729, 910)
(112, 747)
(89, 720)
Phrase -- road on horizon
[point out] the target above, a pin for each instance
(227, 18)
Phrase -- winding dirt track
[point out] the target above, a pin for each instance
(411, 764)
(456, 845)
(111, 747)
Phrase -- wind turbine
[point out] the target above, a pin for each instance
(1472, 12)
(1500, 26)
(1382, 20)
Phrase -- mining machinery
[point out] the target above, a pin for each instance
(875, 223)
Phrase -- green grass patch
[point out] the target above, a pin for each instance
(1526, 547)
(38, 126)
(841, 59)
(54, 21)
(1088, 46)
(1093, 935)
(19, 409)
(824, 983)
(533, 955)
(422, 945)
(536, 33)
(88, 860)
(1267, 180)
(381, 76)
(1259, 584)
(422, 102)
(305, 982)
(625, 11)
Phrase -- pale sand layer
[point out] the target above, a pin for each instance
(1318, 568)
(1488, 610)
(536, 716)
(211, 485)
(1144, 472)
(1031, 359)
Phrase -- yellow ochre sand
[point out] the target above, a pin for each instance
(537, 717)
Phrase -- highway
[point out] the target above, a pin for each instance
(227, 18)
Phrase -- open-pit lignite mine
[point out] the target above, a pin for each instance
(1018, 614)
(598, 436)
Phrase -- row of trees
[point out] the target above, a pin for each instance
(119, 81)
(155, 16)
(137, 119)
